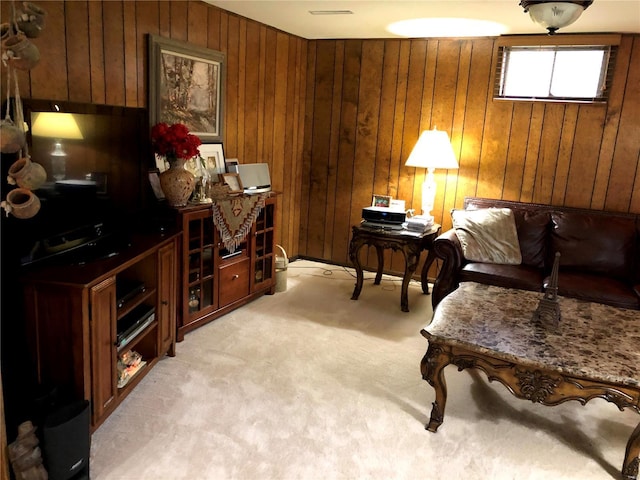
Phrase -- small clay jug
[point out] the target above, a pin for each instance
(31, 20)
(11, 137)
(5, 31)
(27, 174)
(21, 203)
(20, 52)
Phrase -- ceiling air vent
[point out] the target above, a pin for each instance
(330, 12)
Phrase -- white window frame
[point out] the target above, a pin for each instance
(551, 50)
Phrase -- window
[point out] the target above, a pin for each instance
(561, 73)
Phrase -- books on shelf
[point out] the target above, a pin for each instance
(129, 363)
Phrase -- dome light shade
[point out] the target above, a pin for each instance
(554, 15)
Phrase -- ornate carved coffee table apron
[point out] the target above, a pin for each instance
(594, 353)
(409, 243)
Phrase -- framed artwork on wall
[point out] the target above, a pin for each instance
(186, 85)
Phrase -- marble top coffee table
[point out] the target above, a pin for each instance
(593, 353)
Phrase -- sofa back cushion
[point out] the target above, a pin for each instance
(604, 244)
(532, 224)
(533, 234)
(488, 235)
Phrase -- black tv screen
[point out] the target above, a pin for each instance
(97, 169)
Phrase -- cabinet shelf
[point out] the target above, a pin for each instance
(197, 283)
(134, 302)
(137, 336)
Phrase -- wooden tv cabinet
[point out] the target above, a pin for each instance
(214, 282)
(75, 316)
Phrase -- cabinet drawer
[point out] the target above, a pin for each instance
(234, 281)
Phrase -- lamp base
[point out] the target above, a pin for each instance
(428, 193)
(58, 167)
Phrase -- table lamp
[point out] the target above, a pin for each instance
(59, 126)
(433, 150)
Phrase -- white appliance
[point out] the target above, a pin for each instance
(255, 177)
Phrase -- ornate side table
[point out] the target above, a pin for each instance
(409, 243)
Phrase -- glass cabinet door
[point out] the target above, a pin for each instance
(263, 247)
(199, 277)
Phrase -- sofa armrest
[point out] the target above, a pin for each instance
(448, 248)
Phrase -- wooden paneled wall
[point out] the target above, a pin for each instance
(336, 119)
(96, 52)
(368, 100)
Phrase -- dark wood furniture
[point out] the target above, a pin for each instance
(590, 354)
(214, 281)
(599, 254)
(411, 244)
(74, 314)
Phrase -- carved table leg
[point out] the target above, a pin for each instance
(631, 460)
(380, 252)
(354, 248)
(432, 368)
(411, 257)
(424, 277)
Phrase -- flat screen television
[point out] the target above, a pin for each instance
(97, 175)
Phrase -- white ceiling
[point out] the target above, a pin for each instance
(370, 17)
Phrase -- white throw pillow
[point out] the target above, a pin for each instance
(488, 235)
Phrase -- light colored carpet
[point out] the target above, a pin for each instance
(308, 384)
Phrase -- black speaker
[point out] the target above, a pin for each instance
(67, 442)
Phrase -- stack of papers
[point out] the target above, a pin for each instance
(419, 223)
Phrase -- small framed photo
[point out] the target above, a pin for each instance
(233, 180)
(232, 165)
(213, 154)
(154, 180)
(212, 160)
(381, 201)
(161, 163)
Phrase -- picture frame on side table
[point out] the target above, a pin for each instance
(186, 85)
(381, 200)
(212, 160)
(154, 180)
(233, 180)
(232, 165)
(213, 154)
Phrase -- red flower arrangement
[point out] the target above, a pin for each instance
(174, 141)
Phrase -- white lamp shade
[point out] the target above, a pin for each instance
(56, 125)
(433, 150)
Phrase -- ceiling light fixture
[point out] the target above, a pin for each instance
(555, 15)
(446, 27)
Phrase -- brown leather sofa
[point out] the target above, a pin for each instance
(599, 254)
